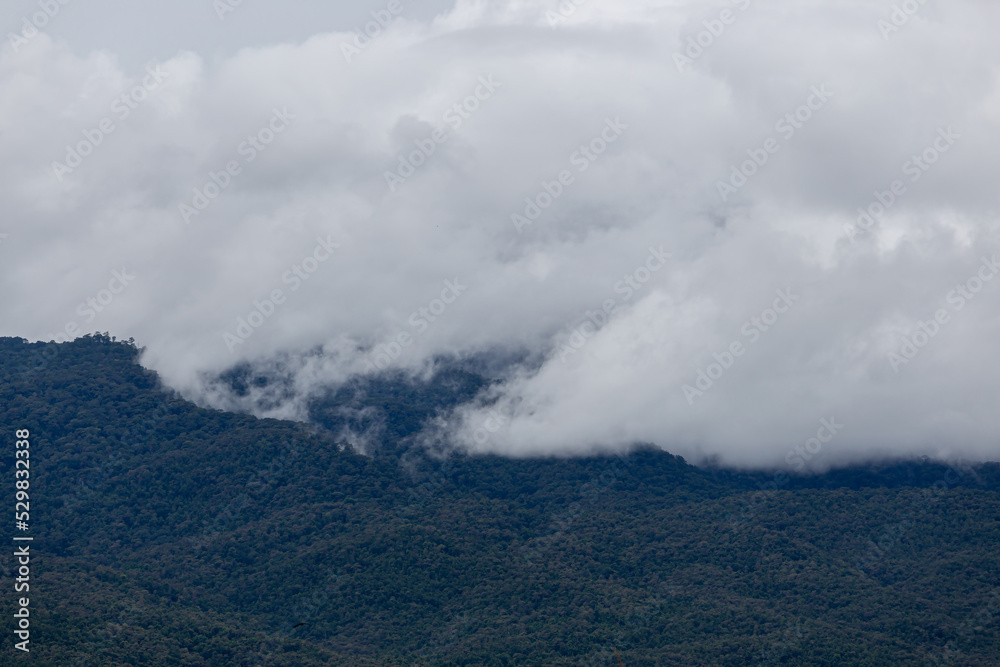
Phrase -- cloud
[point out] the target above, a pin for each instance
(544, 201)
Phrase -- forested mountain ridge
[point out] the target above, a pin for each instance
(176, 535)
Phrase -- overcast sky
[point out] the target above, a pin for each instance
(658, 200)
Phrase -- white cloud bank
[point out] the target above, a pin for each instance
(590, 131)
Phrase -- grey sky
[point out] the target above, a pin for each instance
(497, 175)
(138, 31)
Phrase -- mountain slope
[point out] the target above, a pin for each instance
(172, 534)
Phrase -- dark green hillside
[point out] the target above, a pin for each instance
(167, 534)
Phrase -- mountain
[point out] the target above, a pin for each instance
(170, 534)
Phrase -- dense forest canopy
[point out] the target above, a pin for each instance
(177, 535)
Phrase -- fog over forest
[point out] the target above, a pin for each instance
(722, 229)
